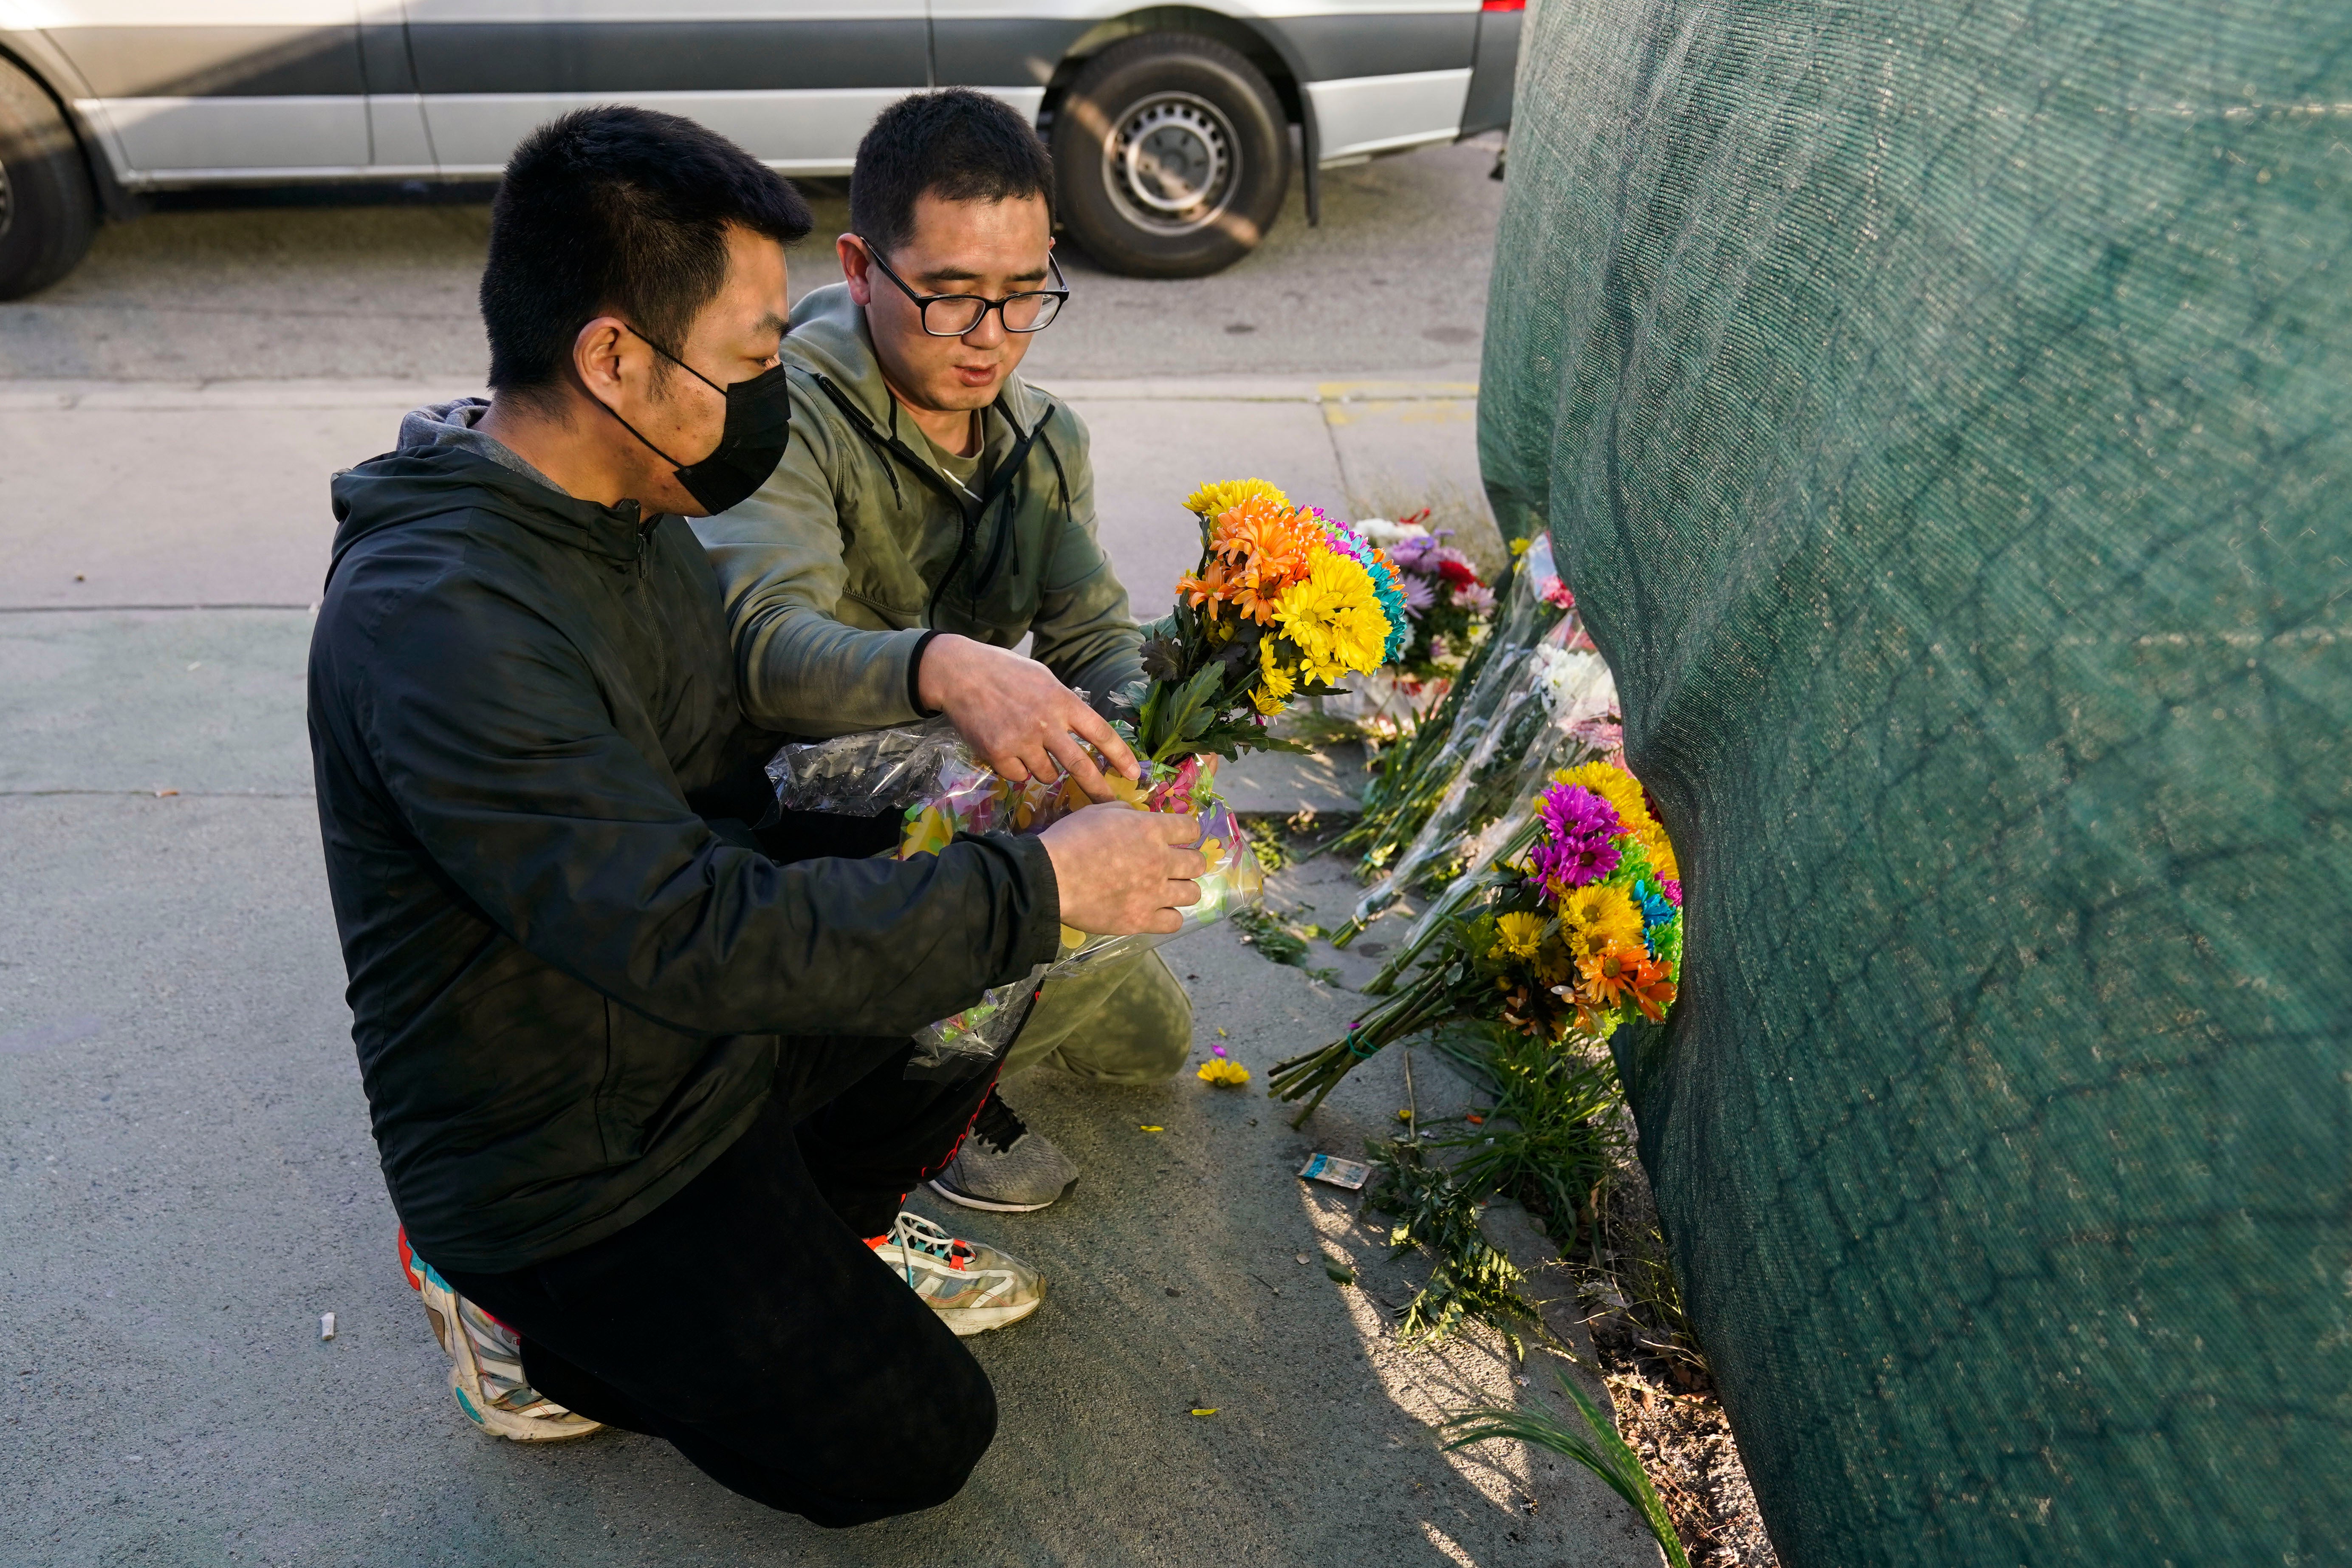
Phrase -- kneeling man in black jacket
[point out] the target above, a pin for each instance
(640, 1089)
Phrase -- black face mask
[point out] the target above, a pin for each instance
(750, 444)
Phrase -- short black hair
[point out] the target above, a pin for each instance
(956, 144)
(616, 210)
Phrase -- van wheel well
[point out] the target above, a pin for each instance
(1235, 35)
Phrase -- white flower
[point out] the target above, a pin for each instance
(1383, 533)
(1560, 673)
(1574, 685)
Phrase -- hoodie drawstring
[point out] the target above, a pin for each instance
(1000, 487)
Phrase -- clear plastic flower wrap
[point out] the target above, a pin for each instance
(931, 778)
(1539, 716)
(1414, 776)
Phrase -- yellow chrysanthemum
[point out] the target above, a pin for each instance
(1275, 677)
(1211, 499)
(1335, 619)
(1516, 935)
(1224, 1070)
(1661, 855)
(1598, 918)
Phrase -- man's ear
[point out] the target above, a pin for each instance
(852, 251)
(599, 356)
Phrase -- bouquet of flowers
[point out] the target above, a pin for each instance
(1444, 601)
(1447, 607)
(1551, 707)
(1287, 602)
(1573, 927)
(1414, 776)
(931, 778)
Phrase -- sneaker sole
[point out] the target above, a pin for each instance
(996, 1205)
(966, 1321)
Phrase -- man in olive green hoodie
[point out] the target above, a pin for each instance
(930, 511)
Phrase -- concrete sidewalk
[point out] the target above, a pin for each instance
(189, 1181)
(176, 494)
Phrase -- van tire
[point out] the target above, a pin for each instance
(47, 211)
(1171, 156)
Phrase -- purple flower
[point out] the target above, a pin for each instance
(1478, 598)
(1419, 593)
(1576, 850)
(1411, 554)
(1673, 890)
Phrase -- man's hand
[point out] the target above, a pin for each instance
(1123, 871)
(1019, 719)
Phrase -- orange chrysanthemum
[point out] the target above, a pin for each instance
(1654, 989)
(1609, 976)
(1255, 549)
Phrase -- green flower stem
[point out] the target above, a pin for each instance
(1441, 916)
(1443, 995)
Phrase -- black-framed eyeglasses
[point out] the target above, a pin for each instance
(953, 315)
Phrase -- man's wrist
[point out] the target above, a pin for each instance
(915, 676)
(934, 672)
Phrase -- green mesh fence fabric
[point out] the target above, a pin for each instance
(1943, 413)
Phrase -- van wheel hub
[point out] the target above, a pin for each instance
(1172, 161)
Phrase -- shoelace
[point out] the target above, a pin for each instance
(913, 1233)
(998, 1123)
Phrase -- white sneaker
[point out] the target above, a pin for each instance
(973, 1288)
(486, 1364)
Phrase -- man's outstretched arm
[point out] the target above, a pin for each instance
(495, 744)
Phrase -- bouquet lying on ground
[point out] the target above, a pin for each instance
(1446, 605)
(1445, 602)
(1285, 601)
(1573, 927)
(1414, 776)
(1550, 707)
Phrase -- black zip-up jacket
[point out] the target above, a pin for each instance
(568, 990)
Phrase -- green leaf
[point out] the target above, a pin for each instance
(1163, 659)
(1593, 1442)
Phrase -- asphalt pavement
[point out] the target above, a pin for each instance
(1394, 281)
(186, 1178)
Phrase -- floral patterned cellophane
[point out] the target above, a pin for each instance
(943, 790)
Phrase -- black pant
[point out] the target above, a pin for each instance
(746, 1322)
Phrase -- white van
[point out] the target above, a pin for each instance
(1170, 124)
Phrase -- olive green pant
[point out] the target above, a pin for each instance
(1121, 1021)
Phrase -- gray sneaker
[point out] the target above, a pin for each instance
(1003, 1167)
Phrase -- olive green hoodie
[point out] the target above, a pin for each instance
(858, 544)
